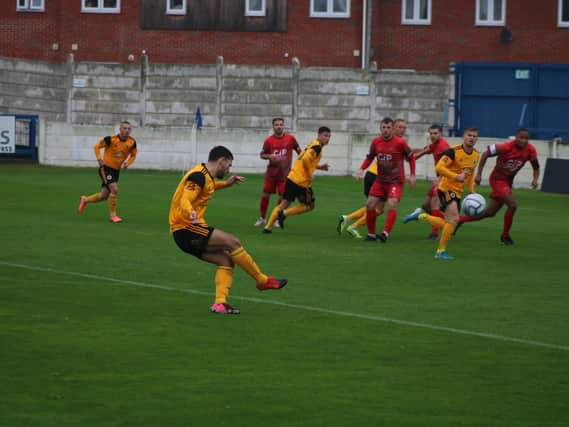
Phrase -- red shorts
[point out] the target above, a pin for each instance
(271, 186)
(500, 188)
(386, 191)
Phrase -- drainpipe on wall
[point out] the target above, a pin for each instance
(366, 33)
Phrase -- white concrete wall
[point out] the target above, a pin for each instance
(171, 148)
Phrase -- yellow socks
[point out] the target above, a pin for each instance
(273, 217)
(223, 282)
(113, 204)
(433, 220)
(94, 198)
(361, 220)
(247, 263)
(297, 210)
(357, 214)
(448, 229)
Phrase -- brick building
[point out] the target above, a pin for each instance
(418, 34)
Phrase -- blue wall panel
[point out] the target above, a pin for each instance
(500, 97)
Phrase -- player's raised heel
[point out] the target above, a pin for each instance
(82, 204)
(115, 219)
(443, 255)
(342, 224)
(224, 308)
(272, 283)
(413, 216)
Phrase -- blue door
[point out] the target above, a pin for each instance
(498, 98)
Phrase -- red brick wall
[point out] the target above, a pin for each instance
(316, 42)
(112, 37)
(453, 35)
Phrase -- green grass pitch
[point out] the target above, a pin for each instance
(108, 325)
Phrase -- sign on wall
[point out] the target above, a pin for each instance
(7, 134)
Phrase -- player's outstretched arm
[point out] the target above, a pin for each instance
(233, 179)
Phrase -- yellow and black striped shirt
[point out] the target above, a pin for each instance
(192, 194)
(306, 163)
(116, 150)
(453, 162)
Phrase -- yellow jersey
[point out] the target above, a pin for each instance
(453, 162)
(116, 151)
(306, 163)
(192, 194)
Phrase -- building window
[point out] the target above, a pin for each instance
(330, 8)
(175, 7)
(491, 12)
(100, 6)
(416, 12)
(30, 5)
(563, 13)
(255, 8)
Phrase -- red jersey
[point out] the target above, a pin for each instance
(282, 147)
(390, 155)
(438, 148)
(511, 158)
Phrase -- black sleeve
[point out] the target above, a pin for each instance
(317, 149)
(107, 140)
(449, 153)
(197, 178)
(134, 145)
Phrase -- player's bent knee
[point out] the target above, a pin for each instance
(233, 243)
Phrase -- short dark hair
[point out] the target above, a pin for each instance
(522, 130)
(219, 152)
(323, 129)
(387, 120)
(437, 127)
(276, 119)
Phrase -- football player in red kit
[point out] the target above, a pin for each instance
(277, 149)
(390, 150)
(511, 157)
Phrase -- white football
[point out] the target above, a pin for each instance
(474, 204)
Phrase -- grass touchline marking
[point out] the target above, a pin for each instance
(298, 306)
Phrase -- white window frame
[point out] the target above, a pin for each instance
(491, 22)
(28, 6)
(416, 20)
(171, 11)
(249, 12)
(560, 22)
(100, 8)
(329, 13)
